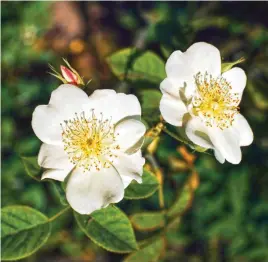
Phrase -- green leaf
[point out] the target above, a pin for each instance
(23, 231)
(128, 20)
(224, 228)
(148, 186)
(150, 100)
(149, 253)
(166, 51)
(109, 228)
(227, 66)
(59, 191)
(173, 236)
(137, 66)
(148, 221)
(31, 166)
(256, 254)
(238, 189)
(182, 202)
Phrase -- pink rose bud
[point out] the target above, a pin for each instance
(68, 75)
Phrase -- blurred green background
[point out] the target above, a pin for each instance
(228, 219)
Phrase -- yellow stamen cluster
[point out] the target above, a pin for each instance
(214, 101)
(89, 142)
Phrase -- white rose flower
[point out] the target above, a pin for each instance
(95, 139)
(198, 97)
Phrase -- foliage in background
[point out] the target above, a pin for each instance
(125, 46)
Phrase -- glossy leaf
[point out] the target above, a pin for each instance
(148, 186)
(148, 221)
(149, 253)
(23, 231)
(137, 66)
(109, 228)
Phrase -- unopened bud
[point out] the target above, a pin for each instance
(68, 75)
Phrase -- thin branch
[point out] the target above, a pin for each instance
(59, 214)
(159, 177)
(174, 136)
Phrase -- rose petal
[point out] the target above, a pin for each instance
(129, 132)
(102, 93)
(200, 57)
(89, 191)
(172, 109)
(237, 78)
(65, 101)
(219, 156)
(204, 57)
(197, 132)
(227, 143)
(171, 86)
(130, 167)
(56, 174)
(114, 106)
(52, 156)
(242, 127)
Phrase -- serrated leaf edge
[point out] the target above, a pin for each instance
(44, 241)
(101, 245)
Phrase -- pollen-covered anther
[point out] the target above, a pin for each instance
(214, 101)
(89, 141)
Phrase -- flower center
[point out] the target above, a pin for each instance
(214, 101)
(89, 142)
